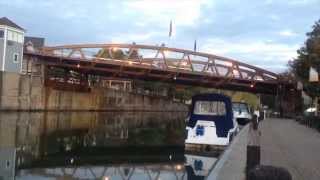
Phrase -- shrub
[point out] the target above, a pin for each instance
(311, 121)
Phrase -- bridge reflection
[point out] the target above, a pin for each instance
(87, 145)
(125, 172)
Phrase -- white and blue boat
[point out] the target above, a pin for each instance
(210, 123)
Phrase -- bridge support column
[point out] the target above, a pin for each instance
(289, 101)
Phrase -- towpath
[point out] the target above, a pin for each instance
(288, 144)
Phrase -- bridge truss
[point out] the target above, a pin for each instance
(160, 63)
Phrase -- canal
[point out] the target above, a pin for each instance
(98, 145)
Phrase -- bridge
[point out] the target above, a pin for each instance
(160, 63)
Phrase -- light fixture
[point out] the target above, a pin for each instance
(178, 167)
(78, 65)
(184, 63)
(114, 49)
(71, 160)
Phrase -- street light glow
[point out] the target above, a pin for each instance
(184, 63)
(114, 49)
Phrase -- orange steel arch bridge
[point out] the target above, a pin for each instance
(159, 63)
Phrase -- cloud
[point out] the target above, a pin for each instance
(274, 17)
(287, 33)
(266, 54)
(183, 12)
(292, 2)
(302, 2)
(263, 33)
(132, 37)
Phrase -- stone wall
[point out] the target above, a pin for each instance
(25, 92)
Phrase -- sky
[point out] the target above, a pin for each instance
(263, 33)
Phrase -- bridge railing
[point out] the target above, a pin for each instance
(163, 58)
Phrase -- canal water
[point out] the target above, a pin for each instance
(98, 145)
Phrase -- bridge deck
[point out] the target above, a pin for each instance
(288, 144)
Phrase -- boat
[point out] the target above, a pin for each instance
(241, 113)
(210, 123)
(199, 166)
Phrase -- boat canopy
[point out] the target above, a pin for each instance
(212, 107)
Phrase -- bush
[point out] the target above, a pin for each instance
(311, 121)
(269, 172)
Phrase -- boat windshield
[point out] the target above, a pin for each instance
(240, 107)
(210, 108)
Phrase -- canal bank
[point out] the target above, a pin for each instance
(232, 162)
(27, 92)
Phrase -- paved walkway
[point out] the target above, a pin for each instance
(288, 144)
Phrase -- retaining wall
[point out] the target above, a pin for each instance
(26, 92)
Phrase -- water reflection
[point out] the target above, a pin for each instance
(125, 172)
(92, 145)
(196, 168)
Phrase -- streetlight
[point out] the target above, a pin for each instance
(314, 78)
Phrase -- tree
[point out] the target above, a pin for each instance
(308, 56)
(118, 54)
(103, 53)
(111, 54)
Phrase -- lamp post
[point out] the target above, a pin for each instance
(314, 78)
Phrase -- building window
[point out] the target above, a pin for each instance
(1, 33)
(217, 108)
(15, 36)
(10, 35)
(20, 38)
(15, 57)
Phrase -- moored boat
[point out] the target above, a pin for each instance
(210, 124)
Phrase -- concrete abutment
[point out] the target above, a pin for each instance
(27, 92)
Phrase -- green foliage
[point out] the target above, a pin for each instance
(111, 54)
(103, 53)
(308, 56)
(249, 98)
(117, 54)
(311, 121)
(147, 136)
(185, 93)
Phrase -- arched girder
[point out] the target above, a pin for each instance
(162, 50)
(160, 63)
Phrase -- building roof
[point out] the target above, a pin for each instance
(7, 22)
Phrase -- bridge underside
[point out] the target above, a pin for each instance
(119, 70)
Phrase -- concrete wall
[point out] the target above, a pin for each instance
(24, 92)
(9, 90)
